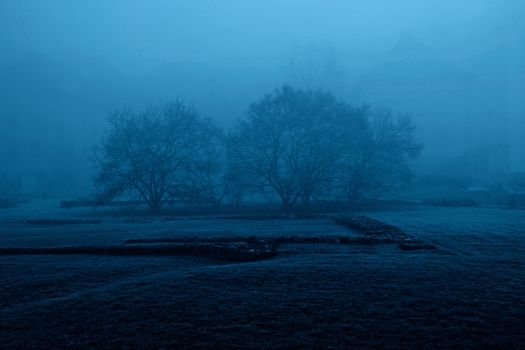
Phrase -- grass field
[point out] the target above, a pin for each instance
(469, 293)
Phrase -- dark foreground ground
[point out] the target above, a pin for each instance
(469, 293)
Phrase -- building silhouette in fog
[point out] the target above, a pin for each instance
(465, 131)
(44, 146)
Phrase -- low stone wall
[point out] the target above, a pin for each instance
(383, 232)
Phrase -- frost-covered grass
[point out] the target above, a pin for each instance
(17, 232)
(117, 230)
(469, 293)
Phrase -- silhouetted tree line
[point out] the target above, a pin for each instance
(298, 145)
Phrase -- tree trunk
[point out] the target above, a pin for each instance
(353, 197)
(285, 204)
(154, 206)
(306, 200)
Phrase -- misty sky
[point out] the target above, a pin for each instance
(148, 32)
(132, 39)
(75, 61)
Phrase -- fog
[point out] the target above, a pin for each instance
(457, 67)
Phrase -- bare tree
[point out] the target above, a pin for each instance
(377, 154)
(148, 154)
(210, 180)
(285, 143)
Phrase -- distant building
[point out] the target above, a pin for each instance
(44, 148)
(515, 75)
(456, 121)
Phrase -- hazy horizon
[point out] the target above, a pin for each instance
(66, 65)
